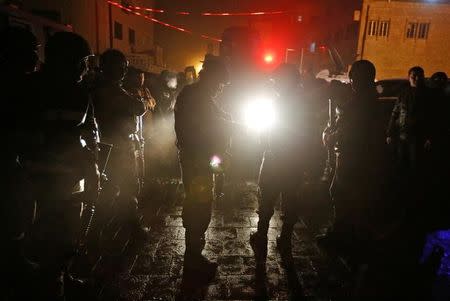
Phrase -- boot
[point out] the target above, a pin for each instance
(199, 266)
(284, 241)
(258, 242)
(138, 231)
(195, 263)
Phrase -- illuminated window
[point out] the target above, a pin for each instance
(416, 30)
(422, 33)
(411, 30)
(131, 36)
(383, 28)
(118, 30)
(378, 28)
(372, 29)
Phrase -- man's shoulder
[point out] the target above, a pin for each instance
(189, 90)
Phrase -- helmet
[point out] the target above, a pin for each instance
(362, 70)
(215, 66)
(113, 64)
(439, 77)
(66, 48)
(112, 57)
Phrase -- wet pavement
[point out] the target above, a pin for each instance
(127, 270)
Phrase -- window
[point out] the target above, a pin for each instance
(411, 30)
(118, 34)
(372, 30)
(131, 36)
(423, 30)
(416, 30)
(383, 29)
(378, 28)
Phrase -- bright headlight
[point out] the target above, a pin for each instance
(259, 114)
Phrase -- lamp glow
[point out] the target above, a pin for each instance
(268, 58)
(259, 114)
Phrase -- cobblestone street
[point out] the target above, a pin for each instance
(153, 271)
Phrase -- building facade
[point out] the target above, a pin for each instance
(397, 35)
(105, 26)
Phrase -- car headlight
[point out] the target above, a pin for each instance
(259, 114)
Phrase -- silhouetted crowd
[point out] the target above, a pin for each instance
(74, 131)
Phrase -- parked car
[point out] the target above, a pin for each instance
(389, 89)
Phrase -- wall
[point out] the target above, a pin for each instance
(91, 19)
(395, 54)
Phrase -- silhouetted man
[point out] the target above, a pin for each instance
(60, 154)
(117, 112)
(202, 133)
(411, 120)
(286, 161)
(358, 140)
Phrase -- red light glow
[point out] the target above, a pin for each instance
(217, 14)
(260, 13)
(268, 58)
(160, 22)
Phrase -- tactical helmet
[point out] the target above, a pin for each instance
(112, 57)
(66, 48)
(362, 70)
(215, 66)
(439, 79)
(439, 76)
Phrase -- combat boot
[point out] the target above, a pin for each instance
(284, 242)
(258, 242)
(194, 262)
(200, 266)
(138, 230)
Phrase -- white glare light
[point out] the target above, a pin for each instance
(215, 162)
(259, 114)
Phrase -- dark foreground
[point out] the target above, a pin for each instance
(120, 268)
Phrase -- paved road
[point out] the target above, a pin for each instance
(124, 270)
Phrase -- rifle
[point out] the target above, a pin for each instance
(328, 171)
(89, 212)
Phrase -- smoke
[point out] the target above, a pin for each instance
(161, 151)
